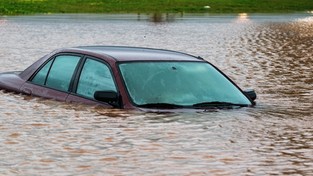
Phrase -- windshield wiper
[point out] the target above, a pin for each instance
(214, 104)
(161, 105)
(217, 104)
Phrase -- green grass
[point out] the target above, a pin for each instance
(18, 7)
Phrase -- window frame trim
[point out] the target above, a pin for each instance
(81, 56)
(79, 72)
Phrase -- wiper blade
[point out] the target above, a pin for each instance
(161, 105)
(217, 104)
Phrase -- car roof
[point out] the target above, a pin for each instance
(125, 53)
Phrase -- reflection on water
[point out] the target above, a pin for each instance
(272, 54)
(160, 17)
(243, 17)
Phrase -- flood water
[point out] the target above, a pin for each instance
(270, 53)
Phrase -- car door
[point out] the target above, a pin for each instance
(94, 75)
(54, 78)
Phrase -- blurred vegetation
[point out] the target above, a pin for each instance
(18, 7)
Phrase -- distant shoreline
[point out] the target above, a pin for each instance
(28, 7)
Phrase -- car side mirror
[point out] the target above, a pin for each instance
(109, 97)
(250, 93)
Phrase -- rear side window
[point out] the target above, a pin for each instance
(57, 73)
(95, 76)
(40, 78)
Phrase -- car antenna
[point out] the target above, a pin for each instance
(199, 57)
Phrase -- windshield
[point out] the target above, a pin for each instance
(179, 83)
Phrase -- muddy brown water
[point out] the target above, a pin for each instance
(270, 53)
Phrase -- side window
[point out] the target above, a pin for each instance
(58, 72)
(61, 72)
(95, 76)
(41, 76)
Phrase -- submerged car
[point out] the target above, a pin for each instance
(129, 78)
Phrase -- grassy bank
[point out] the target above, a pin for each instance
(17, 7)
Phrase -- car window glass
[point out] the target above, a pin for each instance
(95, 76)
(40, 77)
(61, 72)
(182, 83)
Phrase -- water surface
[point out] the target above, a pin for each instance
(270, 53)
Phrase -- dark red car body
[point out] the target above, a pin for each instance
(20, 81)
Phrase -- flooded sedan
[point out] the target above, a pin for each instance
(128, 77)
